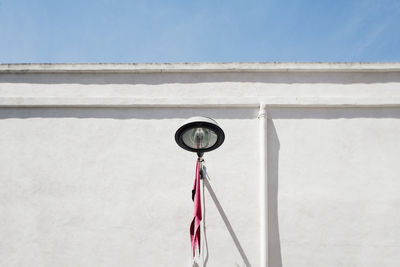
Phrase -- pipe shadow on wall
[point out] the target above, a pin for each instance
(275, 255)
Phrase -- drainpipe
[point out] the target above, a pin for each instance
(262, 118)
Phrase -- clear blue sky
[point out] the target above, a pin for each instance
(199, 30)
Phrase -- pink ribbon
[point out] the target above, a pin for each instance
(195, 225)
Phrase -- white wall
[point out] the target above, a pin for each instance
(90, 174)
(110, 187)
(335, 186)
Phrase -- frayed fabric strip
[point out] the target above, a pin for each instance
(197, 217)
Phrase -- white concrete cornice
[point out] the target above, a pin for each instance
(200, 84)
(197, 67)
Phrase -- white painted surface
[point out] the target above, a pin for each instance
(108, 186)
(200, 85)
(336, 178)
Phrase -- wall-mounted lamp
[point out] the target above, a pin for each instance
(199, 134)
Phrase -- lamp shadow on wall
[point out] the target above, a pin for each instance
(275, 255)
(274, 244)
(226, 221)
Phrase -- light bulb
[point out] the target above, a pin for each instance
(201, 137)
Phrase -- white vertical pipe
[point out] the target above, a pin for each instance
(262, 118)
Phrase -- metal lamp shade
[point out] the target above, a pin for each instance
(199, 134)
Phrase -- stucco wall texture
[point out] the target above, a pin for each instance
(111, 188)
(90, 174)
